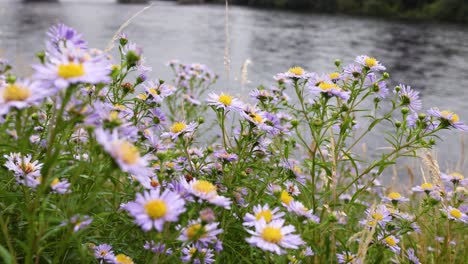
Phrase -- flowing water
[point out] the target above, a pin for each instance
(433, 58)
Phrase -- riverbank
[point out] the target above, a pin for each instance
(429, 10)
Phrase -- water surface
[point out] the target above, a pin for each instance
(432, 58)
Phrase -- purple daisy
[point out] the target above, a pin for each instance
(409, 97)
(330, 89)
(63, 34)
(125, 154)
(153, 209)
(157, 90)
(224, 101)
(262, 212)
(274, 236)
(20, 94)
(72, 65)
(104, 252)
(379, 88)
(198, 231)
(448, 118)
(370, 62)
(196, 253)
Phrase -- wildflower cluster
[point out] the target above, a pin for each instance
(104, 163)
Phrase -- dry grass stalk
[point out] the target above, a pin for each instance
(365, 237)
(227, 42)
(433, 166)
(244, 71)
(110, 46)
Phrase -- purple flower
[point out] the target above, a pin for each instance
(370, 62)
(26, 172)
(158, 248)
(60, 187)
(104, 252)
(330, 89)
(207, 191)
(157, 90)
(153, 209)
(62, 34)
(412, 258)
(20, 94)
(262, 212)
(197, 254)
(71, 67)
(179, 128)
(203, 233)
(225, 156)
(224, 101)
(125, 154)
(274, 236)
(378, 88)
(346, 257)
(448, 118)
(409, 97)
(390, 242)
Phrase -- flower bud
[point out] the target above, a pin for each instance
(385, 75)
(11, 79)
(294, 123)
(317, 122)
(422, 116)
(132, 58)
(397, 124)
(127, 87)
(405, 110)
(397, 89)
(337, 63)
(200, 120)
(41, 56)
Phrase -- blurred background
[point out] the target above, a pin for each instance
(423, 43)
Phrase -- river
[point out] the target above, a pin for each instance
(433, 58)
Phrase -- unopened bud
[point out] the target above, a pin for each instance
(337, 63)
(385, 75)
(397, 124)
(405, 110)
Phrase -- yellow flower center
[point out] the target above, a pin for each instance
(128, 152)
(377, 216)
(334, 75)
(225, 99)
(285, 197)
(266, 214)
(272, 234)
(123, 259)
(348, 258)
(55, 182)
(195, 231)
(119, 107)
(370, 62)
(296, 70)
(156, 209)
(192, 250)
(178, 127)
(153, 91)
(457, 175)
(426, 186)
(142, 97)
(394, 196)
(113, 116)
(204, 186)
(450, 116)
(390, 241)
(325, 86)
(257, 118)
(15, 92)
(455, 213)
(71, 70)
(27, 167)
